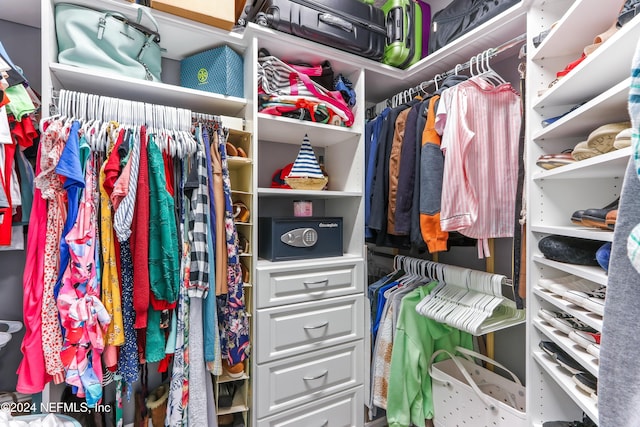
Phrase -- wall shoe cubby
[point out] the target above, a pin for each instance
(599, 98)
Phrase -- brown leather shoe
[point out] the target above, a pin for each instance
(611, 218)
(551, 161)
(597, 217)
(240, 212)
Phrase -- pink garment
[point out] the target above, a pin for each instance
(121, 188)
(48, 181)
(480, 142)
(82, 314)
(32, 376)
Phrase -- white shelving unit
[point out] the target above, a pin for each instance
(573, 395)
(586, 316)
(310, 318)
(553, 195)
(595, 274)
(180, 38)
(84, 80)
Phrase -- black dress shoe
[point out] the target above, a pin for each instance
(594, 217)
(561, 357)
(598, 217)
(586, 382)
(576, 217)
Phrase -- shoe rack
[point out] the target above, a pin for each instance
(553, 195)
(233, 391)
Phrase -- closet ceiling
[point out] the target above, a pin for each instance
(27, 14)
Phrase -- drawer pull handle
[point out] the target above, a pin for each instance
(316, 377)
(325, 423)
(317, 282)
(318, 326)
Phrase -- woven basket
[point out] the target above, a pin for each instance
(307, 183)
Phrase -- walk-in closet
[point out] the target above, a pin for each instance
(319, 213)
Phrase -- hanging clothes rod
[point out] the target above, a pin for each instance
(55, 107)
(87, 106)
(487, 54)
(171, 126)
(420, 266)
(467, 299)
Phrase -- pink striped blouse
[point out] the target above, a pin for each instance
(480, 127)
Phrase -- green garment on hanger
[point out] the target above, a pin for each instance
(409, 398)
(164, 264)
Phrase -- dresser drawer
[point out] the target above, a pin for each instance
(297, 380)
(296, 328)
(341, 410)
(309, 281)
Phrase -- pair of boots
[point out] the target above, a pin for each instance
(153, 408)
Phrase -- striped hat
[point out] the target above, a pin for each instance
(306, 165)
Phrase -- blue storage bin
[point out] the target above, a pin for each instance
(218, 70)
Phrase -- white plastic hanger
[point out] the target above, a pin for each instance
(13, 326)
(492, 72)
(192, 143)
(436, 78)
(177, 144)
(423, 87)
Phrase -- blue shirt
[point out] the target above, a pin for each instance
(371, 148)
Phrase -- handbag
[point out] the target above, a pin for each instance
(108, 41)
(462, 16)
(277, 78)
(465, 392)
(321, 74)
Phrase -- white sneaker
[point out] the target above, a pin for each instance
(584, 338)
(590, 300)
(622, 139)
(594, 350)
(549, 316)
(563, 322)
(560, 285)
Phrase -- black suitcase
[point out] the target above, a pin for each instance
(461, 16)
(348, 25)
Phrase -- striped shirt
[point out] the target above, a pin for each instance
(480, 126)
(124, 214)
(198, 229)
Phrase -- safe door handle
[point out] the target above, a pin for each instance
(317, 377)
(318, 326)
